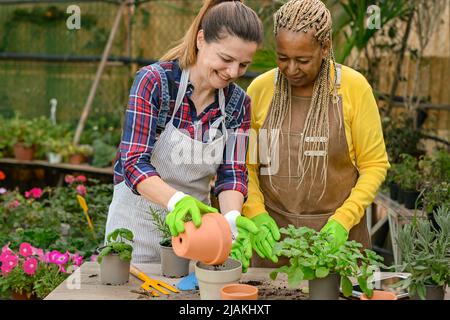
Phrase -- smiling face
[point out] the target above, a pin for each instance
(223, 61)
(300, 56)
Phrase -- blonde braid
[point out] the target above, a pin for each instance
(302, 15)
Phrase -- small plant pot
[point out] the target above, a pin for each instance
(22, 296)
(77, 159)
(239, 291)
(401, 196)
(393, 191)
(380, 295)
(432, 292)
(410, 198)
(54, 158)
(114, 271)
(211, 279)
(173, 266)
(21, 152)
(210, 243)
(325, 288)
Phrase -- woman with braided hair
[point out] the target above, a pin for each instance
(187, 122)
(325, 156)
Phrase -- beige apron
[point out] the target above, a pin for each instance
(289, 205)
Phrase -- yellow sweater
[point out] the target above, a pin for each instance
(364, 138)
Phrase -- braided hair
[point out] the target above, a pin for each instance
(297, 16)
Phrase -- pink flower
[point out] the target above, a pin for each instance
(94, 257)
(25, 249)
(30, 266)
(58, 258)
(37, 252)
(6, 248)
(69, 179)
(3, 191)
(53, 256)
(6, 251)
(5, 269)
(77, 260)
(81, 190)
(9, 262)
(62, 269)
(81, 178)
(35, 193)
(14, 204)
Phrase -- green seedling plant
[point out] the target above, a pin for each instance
(116, 243)
(311, 257)
(160, 224)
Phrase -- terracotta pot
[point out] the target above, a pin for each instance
(22, 296)
(211, 279)
(380, 295)
(239, 291)
(23, 153)
(210, 243)
(77, 159)
(173, 266)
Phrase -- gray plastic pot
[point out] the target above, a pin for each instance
(325, 288)
(432, 292)
(114, 271)
(212, 278)
(173, 266)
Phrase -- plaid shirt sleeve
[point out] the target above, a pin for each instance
(139, 133)
(232, 173)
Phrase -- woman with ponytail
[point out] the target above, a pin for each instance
(187, 122)
(325, 156)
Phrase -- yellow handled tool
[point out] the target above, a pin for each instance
(151, 283)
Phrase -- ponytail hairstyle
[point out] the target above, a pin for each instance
(301, 16)
(217, 19)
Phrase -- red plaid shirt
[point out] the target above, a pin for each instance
(141, 127)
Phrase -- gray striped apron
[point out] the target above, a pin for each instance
(186, 164)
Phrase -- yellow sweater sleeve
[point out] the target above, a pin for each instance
(366, 147)
(260, 92)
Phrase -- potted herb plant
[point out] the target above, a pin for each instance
(172, 266)
(408, 178)
(425, 256)
(78, 154)
(114, 258)
(312, 258)
(391, 181)
(435, 195)
(24, 138)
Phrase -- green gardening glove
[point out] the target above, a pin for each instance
(242, 229)
(266, 237)
(182, 206)
(337, 231)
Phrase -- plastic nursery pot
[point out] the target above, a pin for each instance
(114, 271)
(239, 291)
(432, 292)
(380, 295)
(211, 279)
(410, 198)
(393, 191)
(173, 266)
(210, 243)
(325, 288)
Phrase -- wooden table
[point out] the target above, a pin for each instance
(85, 284)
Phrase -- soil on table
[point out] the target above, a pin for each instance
(267, 290)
